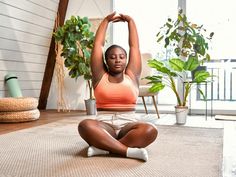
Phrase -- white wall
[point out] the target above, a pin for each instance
(76, 91)
(25, 33)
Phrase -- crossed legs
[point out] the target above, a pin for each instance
(130, 142)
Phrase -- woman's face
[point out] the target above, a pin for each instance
(116, 60)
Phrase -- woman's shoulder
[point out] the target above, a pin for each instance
(102, 77)
(132, 77)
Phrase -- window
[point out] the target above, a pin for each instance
(149, 17)
(219, 17)
(216, 16)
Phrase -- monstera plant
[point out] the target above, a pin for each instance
(189, 43)
(76, 39)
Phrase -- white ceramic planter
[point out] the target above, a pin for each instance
(181, 114)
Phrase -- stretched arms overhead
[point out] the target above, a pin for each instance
(134, 64)
(97, 64)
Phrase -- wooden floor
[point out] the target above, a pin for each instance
(45, 118)
(229, 146)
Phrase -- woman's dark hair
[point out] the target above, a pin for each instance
(112, 47)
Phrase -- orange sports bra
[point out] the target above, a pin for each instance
(116, 95)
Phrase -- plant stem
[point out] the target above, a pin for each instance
(186, 93)
(175, 91)
(90, 89)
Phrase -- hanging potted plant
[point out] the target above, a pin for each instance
(189, 45)
(76, 39)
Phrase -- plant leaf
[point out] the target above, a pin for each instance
(154, 79)
(191, 64)
(176, 64)
(157, 87)
(201, 93)
(153, 63)
(201, 76)
(160, 38)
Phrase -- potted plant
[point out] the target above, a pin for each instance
(189, 44)
(77, 39)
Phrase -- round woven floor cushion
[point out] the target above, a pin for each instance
(19, 116)
(18, 104)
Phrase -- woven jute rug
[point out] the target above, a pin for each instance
(56, 150)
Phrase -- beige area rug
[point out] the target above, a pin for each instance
(225, 117)
(56, 150)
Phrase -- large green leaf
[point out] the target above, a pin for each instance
(159, 66)
(201, 76)
(155, 64)
(154, 79)
(191, 64)
(173, 74)
(176, 64)
(157, 87)
(165, 70)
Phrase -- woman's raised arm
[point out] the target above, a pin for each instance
(134, 66)
(97, 64)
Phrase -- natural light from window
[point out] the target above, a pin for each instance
(219, 17)
(149, 17)
(216, 16)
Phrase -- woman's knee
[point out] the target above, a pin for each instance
(151, 131)
(138, 135)
(85, 125)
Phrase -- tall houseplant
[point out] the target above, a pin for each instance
(77, 39)
(189, 44)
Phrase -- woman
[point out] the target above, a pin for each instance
(116, 128)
